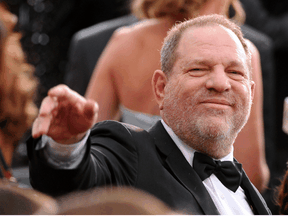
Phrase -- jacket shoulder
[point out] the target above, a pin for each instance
(115, 127)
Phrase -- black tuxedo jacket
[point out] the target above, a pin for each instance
(124, 155)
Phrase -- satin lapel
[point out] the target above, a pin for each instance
(254, 197)
(182, 169)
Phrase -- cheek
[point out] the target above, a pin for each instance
(186, 86)
(247, 89)
(172, 88)
(244, 92)
(184, 89)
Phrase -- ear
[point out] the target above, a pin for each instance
(252, 89)
(159, 82)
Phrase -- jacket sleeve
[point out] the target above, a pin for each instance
(111, 159)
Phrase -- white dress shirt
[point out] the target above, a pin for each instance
(227, 202)
(63, 156)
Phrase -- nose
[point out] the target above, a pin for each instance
(218, 80)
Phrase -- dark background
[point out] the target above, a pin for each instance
(48, 26)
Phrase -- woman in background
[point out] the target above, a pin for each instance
(17, 87)
(121, 81)
(17, 112)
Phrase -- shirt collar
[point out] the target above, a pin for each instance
(186, 150)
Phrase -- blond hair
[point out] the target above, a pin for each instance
(182, 9)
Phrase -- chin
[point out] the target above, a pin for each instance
(213, 129)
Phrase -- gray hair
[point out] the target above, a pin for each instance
(169, 48)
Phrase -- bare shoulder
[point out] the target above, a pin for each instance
(144, 26)
(138, 33)
(130, 44)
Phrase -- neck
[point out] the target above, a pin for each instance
(214, 7)
(215, 149)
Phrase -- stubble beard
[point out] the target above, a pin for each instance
(196, 129)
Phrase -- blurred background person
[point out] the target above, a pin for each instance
(111, 201)
(17, 87)
(17, 112)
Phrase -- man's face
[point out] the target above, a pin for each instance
(207, 97)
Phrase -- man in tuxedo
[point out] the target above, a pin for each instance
(204, 91)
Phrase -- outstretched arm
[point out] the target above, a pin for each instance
(65, 116)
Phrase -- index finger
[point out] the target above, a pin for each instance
(63, 92)
(42, 122)
(47, 106)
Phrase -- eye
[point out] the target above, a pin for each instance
(237, 75)
(197, 72)
(235, 72)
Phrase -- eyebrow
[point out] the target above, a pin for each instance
(187, 63)
(236, 63)
(208, 62)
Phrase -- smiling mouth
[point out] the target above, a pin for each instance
(217, 102)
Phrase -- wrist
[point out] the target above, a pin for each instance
(73, 139)
(63, 156)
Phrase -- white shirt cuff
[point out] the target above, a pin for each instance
(63, 156)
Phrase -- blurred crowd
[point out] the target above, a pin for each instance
(48, 27)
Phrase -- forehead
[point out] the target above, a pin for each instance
(212, 43)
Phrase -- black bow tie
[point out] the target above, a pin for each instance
(227, 172)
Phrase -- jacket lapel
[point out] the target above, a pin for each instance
(182, 169)
(257, 202)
